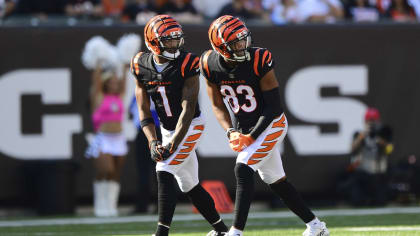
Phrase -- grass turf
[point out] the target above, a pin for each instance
(372, 225)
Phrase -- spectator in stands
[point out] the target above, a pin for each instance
(257, 9)
(139, 9)
(370, 151)
(41, 8)
(7, 7)
(84, 8)
(320, 11)
(237, 8)
(361, 11)
(209, 8)
(416, 6)
(113, 8)
(183, 11)
(282, 11)
(381, 5)
(401, 11)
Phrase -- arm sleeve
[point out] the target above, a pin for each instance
(204, 66)
(190, 66)
(272, 109)
(263, 62)
(134, 65)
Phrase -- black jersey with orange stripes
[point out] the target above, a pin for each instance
(240, 86)
(165, 88)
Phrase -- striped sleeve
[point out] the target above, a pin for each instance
(134, 65)
(263, 62)
(189, 66)
(204, 65)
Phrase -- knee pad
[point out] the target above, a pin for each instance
(244, 172)
(164, 177)
(282, 187)
(244, 177)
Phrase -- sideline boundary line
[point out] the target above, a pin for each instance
(192, 217)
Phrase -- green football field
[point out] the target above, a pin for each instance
(387, 224)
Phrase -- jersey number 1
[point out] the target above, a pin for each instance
(162, 91)
(230, 96)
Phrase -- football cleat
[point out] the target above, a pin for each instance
(317, 230)
(215, 233)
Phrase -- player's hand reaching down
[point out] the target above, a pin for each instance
(159, 152)
(167, 150)
(239, 142)
(234, 140)
(156, 150)
(244, 141)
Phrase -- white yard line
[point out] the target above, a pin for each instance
(192, 217)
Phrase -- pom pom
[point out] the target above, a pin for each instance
(112, 63)
(127, 46)
(98, 49)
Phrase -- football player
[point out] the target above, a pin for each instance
(243, 77)
(169, 76)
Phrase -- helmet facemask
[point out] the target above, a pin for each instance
(166, 51)
(239, 55)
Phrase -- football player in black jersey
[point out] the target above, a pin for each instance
(169, 76)
(243, 77)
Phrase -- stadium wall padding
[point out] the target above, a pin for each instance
(328, 75)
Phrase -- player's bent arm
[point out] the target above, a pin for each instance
(272, 106)
(219, 108)
(188, 103)
(145, 115)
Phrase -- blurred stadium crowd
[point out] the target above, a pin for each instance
(196, 11)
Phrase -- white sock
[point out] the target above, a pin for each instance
(314, 222)
(113, 194)
(234, 232)
(99, 198)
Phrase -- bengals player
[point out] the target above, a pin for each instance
(243, 77)
(169, 77)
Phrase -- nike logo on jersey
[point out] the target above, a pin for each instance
(271, 62)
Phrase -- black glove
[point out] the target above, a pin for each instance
(167, 151)
(155, 152)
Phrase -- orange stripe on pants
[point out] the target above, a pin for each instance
(279, 123)
(268, 147)
(199, 127)
(193, 137)
(189, 148)
(273, 136)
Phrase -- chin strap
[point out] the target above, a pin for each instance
(246, 57)
(170, 56)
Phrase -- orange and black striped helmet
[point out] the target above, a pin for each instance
(159, 29)
(225, 31)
